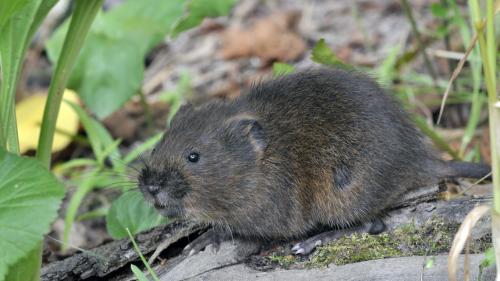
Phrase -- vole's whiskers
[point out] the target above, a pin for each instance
(126, 164)
(228, 228)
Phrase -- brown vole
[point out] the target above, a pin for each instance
(320, 147)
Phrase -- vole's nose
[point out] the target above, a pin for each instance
(154, 189)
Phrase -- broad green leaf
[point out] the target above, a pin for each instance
(197, 10)
(9, 9)
(280, 69)
(138, 273)
(18, 20)
(29, 199)
(322, 54)
(110, 68)
(133, 212)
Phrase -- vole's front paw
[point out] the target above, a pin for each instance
(211, 237)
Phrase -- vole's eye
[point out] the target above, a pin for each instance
(193, 157)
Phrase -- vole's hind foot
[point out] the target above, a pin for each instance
(377, 226)
(245, 248)
(307, 246)
(210, 237)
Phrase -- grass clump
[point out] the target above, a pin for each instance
(283, 261)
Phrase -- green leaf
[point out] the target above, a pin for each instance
(87, 185)
(178, 95)
(141, 256)
(489, 257)
(322, 54)
(197, 10)
(147, 145)
(429, 263)
(438, 10)
(9, 8)
(138, 273)
(18, 21)
(434, 136)
(111, 73)
(386, 72)
(133, 212)
(280, 69)
(99, 137)
(29, 199)
(110, 68)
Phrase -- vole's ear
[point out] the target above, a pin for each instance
(247, 126)
(182, 111)
(185, 107)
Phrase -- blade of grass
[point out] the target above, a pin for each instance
(83, 189)
(138, 251)
(148, 144)
(435, 137)
(475, 65)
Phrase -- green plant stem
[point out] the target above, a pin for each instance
(147, 110)
(83, 189)
(83, 16)
(427, 61)
(475, 65)
(488, 50)
(146, 264)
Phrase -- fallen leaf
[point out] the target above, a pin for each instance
(271, 39)
(29, 113)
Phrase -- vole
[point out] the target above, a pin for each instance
(323, 147)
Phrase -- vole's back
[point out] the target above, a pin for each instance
(342, 146)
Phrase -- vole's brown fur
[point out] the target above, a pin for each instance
(321, 147)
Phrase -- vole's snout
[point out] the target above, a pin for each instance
(165, 189)
(153, 189)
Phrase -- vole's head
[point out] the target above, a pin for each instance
(206, 165)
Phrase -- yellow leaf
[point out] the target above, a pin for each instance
(29, 113)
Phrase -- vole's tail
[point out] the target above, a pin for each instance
(455, 169)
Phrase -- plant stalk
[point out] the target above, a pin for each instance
(83, 16)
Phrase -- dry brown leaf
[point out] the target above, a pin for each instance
(29, 113)
(463, 234)
(271, 38)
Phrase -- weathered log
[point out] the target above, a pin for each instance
(112, 261)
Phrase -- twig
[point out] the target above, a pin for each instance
(455, 75)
